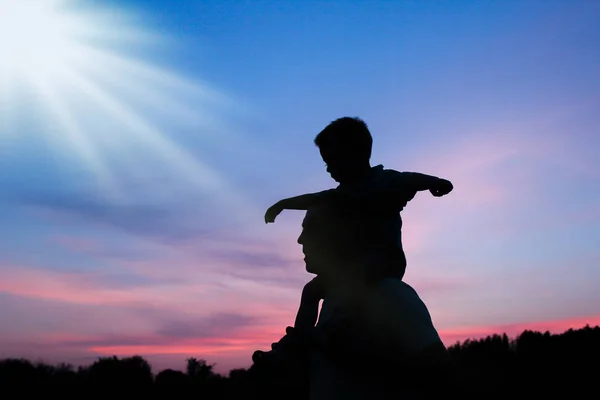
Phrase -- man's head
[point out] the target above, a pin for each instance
(339, 236)
(320, 238)
(345, 146)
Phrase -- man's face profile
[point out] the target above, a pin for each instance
(310, 243)
(322, 239)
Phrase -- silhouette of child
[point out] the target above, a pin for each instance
(345, 146)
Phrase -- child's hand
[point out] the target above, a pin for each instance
(441, 188)
(273, 212)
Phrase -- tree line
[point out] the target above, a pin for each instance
(532, 365)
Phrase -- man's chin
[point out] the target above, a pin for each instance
(310, 267)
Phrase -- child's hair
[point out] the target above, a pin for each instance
(350, 134)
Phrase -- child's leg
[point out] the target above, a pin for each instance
(298, 337)
(312, 293)
(307, 314)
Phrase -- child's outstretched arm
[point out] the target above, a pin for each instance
(419, 182)
(302, 202)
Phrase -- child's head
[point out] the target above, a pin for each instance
(345, 146)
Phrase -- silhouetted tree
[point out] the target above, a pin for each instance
(130, 371)
(170, 377)
(198, 370)
(17, 372)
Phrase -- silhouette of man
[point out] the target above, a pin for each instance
(380, 323)
(383, 323)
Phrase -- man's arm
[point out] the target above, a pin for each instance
(301, 202)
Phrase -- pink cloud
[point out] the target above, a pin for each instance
(199, 294)
(39, 283)
(69, 287)
(268, 306)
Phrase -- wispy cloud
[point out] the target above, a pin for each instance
(167, 222)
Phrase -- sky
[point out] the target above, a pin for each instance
(142, 141)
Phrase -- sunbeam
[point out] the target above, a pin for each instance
(100, 102)
(198, 173)
(155, 88)
(73, 134)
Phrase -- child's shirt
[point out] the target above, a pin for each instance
(388, 191)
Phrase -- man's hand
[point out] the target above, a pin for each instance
(273, 212)
(441, 188)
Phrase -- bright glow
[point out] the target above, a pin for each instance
(101, 104)
(34, 36)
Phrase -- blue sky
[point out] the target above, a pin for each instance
(199, 115)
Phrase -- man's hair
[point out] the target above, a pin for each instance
(350, 134)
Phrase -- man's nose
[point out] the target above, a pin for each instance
(300, 238)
